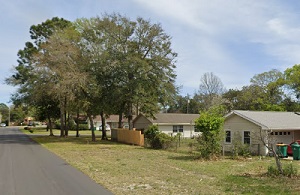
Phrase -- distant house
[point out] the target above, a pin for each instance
(169, 123)
(28, 120)
(112, 121)
(245, 127)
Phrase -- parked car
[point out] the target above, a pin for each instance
(2, 125)
(107, 127)
(290, 149)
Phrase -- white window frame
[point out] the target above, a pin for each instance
(177, 128)
(249, 137)
(228, 130)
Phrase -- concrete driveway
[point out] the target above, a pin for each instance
(26, 168)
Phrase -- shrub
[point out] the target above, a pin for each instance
(272, 171)
(210, 125)
(162, 141)
(157, 139)
(288, 171)
(83, 126)
(208, 147)
(151, 132)
(72, 126)
(240, 149)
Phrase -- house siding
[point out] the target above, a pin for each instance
(296, 135)
(188, 130)
(237, 125)
(141, 123)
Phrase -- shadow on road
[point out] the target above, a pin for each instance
(10, 135)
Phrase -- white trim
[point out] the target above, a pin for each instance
(243, 141)
(226, 136)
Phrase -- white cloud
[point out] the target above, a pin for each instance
(222, 27)
(234, 39)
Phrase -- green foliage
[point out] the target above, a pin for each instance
(210, 124)
(151, 132)
(159, 140)
(268, 90)
(162, 141)
(273, 171)
(239, 148)
(134, 63)
(73, 126)
(288, 170)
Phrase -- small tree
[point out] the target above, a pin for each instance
(210, 124)
(270, 143)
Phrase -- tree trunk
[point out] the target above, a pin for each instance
(67, 123)
(130, 116)
(277, 160)
(120, 125)
(266, 136)
(62, 122)
(92, 127)
(104, 136)
(120, 120)
(49, 125)
(77, 124)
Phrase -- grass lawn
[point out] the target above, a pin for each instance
(126, 169)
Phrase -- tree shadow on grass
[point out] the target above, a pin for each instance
(82, 140)
(185, 157)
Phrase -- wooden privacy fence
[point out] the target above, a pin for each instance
(127, 136)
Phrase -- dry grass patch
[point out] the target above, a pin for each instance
(126, 169)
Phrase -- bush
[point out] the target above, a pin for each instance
(72, 126)
(208, 147)
(162, 141)
(83, 127)
(288, 171)
(239, 148)
(272, 171)
(157, 139)
(151, 132)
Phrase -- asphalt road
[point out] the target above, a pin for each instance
(26, 168)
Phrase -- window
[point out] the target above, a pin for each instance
(283, 133)
(195, 129)
(228, 137)
(177, 128)
(246, 137)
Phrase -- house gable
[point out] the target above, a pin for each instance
(239, 123)
(141, 122)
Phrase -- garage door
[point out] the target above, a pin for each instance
(285, 137)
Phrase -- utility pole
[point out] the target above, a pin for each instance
(8, 116)
(187, 107)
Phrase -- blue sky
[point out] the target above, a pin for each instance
(234, 39)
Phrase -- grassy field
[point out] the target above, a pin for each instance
(126, 169)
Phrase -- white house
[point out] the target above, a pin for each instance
(112, 121)
(246, 127)
(169, 123)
